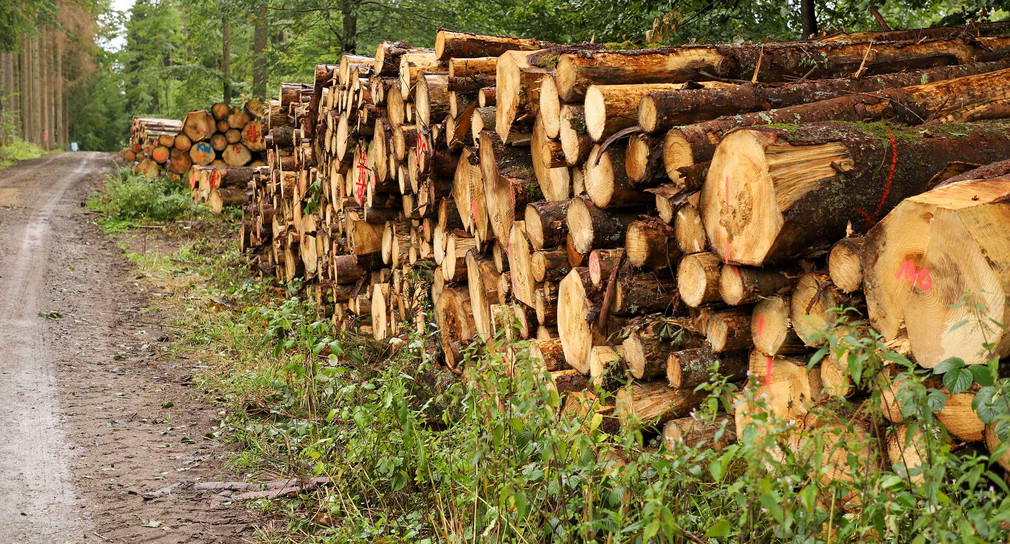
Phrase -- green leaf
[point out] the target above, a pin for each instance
(770, 502)
(947, 365)
(957, 381)
(958, 325)
(808, 497)
(816, 357)
(936, 400)
(981, 374)
(719, 530)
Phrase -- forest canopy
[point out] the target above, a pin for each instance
(166, 57)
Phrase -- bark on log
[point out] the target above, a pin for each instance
(546, 226)
(660, 111)
(772, 195)
(961, 99)
(576, 72)
(449, 44)
(689, 368)
(653, 404)
(746, 285)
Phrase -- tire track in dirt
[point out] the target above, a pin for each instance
(96, 412)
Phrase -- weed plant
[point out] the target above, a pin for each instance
(130, 199)
(18, 150)
(417, 453)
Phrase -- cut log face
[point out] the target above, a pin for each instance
(772, 194)
(655, 403)
(810, 308)
(574, 329)
(932, 262)
(844, 264)
(771, 328)
(785, 385)
(698, 278)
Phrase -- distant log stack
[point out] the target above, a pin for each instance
(645, 213)
(221, 137)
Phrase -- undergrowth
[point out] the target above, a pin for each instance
(129, 200)
(19, 150)
(418, 454)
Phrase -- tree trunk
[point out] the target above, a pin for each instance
(808, 18)
(773, 195)
(260, 68)
(226, 57)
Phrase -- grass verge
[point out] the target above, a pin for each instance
(19, 150)
(418, 454)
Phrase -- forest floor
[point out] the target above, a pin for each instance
(98, 413)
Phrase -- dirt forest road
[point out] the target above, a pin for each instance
(95, 415)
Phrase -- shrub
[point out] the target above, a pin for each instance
(19, 150)
(129, 199)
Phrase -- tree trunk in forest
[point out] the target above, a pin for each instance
(808, 18)
(772, 194)
(226, 58)
(349, 18)
(260, 69)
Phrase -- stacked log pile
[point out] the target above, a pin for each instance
(649, 213)
(222, 137)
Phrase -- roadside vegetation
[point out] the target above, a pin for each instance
(18, 150)
(131, 200)
(418, 454)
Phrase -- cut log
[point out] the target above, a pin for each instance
(660, 111)
(601, 263)
(550, 106)
(696, 433)
(698, 279)
(546, 226)
(555, 181)
(575, 142)
(612, 108)
(653, 404)
(689, 368)
(450, 44)
(811, 306)
(431, 98)
(592, 227)
(219, 142)
(549, 354)
(455, 321)
(520, 256)
(236, 155)
(549, 265)
(517, 96)
(746, 285)
(937, 262)
(772, 194)
(729, 330)
(696, 143)
(844, 264)
(198, 125)
(650, 243)
(482, 283)
(771, 329)
(509, 183)
(689, 228)
(784, 386)
(179, 161)
(575, 315)
(607, 181)
(202, 153)
(412, 65)
(576, 72)
(647, 351)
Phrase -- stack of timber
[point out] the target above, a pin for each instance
(647, 214)
(145, 133)
(229, 141)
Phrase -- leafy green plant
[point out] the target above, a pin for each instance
(18, 150)
(129, 199)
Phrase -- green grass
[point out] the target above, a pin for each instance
(130, 200)
(19, 150)
(418, 454)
